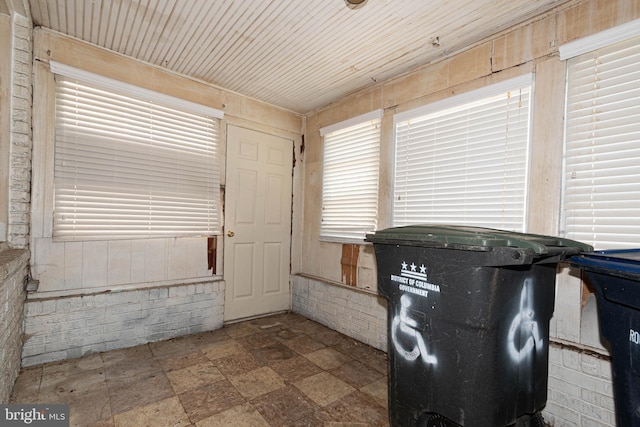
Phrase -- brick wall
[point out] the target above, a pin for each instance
(69, 327)
(14, 263)
(580, 388)
(14, 266)
(358, 314)
(21, 133)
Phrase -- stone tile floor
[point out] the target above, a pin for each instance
(282, 370)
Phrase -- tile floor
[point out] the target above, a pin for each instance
(282, 370)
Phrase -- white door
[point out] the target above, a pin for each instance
(257, 235)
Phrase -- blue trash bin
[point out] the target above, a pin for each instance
(615, 276)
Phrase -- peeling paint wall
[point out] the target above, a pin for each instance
(102, 295)
(76, 267)
(528, 48)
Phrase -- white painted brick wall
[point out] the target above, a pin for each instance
(358, 314)
(580, 388)
(70, 327)
(580, 392)
(14, 266)
(20, 133)
(14, 263)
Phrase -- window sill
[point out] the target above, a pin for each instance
(42, 295)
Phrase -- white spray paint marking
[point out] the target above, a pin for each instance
(523, 325)
(403, 324)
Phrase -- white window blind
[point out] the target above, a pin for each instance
(127, 166)
(464, 160)
(601, 198)
(350, 178)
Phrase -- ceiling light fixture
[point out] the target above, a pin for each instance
(354, 3)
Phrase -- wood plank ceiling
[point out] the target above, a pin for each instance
(299, 55)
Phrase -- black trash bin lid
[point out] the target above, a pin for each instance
(474, 238)
(615, 262)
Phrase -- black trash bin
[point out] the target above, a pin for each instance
(615, 276)
(468, 322)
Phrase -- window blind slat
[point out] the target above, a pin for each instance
(467, 163)
(131, 168)
(601, 196)
(350, 180)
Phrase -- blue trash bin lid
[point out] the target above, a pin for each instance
(616, 262)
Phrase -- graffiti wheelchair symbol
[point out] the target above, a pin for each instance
(403, 326)
(524, 328)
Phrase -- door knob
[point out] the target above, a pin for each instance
(230, 233)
